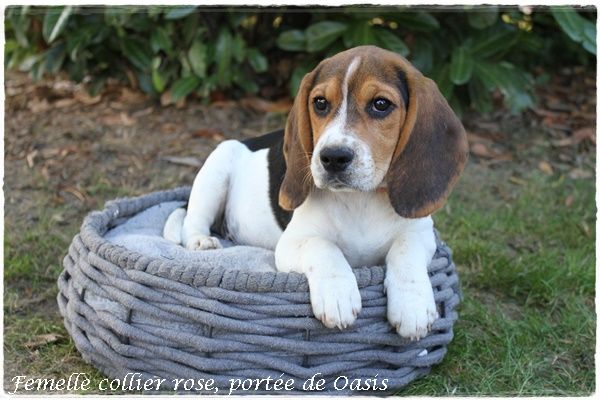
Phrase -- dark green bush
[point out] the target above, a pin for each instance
(470, 52)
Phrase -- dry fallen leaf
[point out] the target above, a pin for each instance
(585, 228)
(517, 181)
(578, 173)
(170, 127)
(585, 133)
(189, 161)
(63, 103)
(84, 97)
(30, 158)
(118, 119)
(165, 98)
(37, 105)
(481, 150)
(545, 167)
(40, 340)
(569, 201)
(131, 97)
(143, 112)
(261, 105)
(577, 137)
(77, 193)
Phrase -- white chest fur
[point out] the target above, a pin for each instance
(362, 224)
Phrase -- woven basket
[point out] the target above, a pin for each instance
(180, 322)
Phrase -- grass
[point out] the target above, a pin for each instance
(526, 262)
(527, 267)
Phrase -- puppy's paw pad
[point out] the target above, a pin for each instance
(203, 242)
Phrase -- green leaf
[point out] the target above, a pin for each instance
(589, 36)
(489, 43)
(184, 86)
(137, 52)
(511, 81)
(322, 34)
(191, 29)
(145, 82)
(198, 59)
(159, 40)
(589, 31)
(388, 40)
(589, 46)
(416, 21)
(223, 50)
(258, 62)
(186, 68)
(292, 40)
(20, 23)
(117, 17)
(299, 72)
(179, 12)
(359, 33)
(239, 48)
(422, 55)
(480, 19)
(159, 80)
(97, 85)
(55, 21)
(518, 100)
(10, 46)
(461, 66)
(442, 78)
(77, 42)
(481, 99)
(569, 21)
(54, 57)
(456, 106)
(246, 83)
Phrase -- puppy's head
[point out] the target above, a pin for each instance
(366, 119)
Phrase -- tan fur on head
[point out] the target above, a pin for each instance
(421, 143)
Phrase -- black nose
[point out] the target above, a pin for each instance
(336, 159)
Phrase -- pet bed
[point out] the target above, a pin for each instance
(136, 303)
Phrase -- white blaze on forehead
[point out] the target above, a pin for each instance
(344, 106)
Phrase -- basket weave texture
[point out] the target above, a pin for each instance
(179, 321)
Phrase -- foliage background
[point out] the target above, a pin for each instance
(476, 55)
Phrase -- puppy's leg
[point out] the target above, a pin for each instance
(208, 197)
(174, 225)
(411, 306)
(334, 292)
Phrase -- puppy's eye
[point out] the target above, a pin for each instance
(380, 104)
(321, 105)
(380, 107)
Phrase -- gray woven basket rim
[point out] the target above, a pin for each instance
(97, 223)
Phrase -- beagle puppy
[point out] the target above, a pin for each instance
(370, 150)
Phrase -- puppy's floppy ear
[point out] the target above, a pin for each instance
(431, 151)
(297, 149)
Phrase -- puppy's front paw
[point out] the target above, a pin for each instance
(335, 300)
(202, 242)
(411, 309)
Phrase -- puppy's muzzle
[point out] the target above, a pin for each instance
(336, 159)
